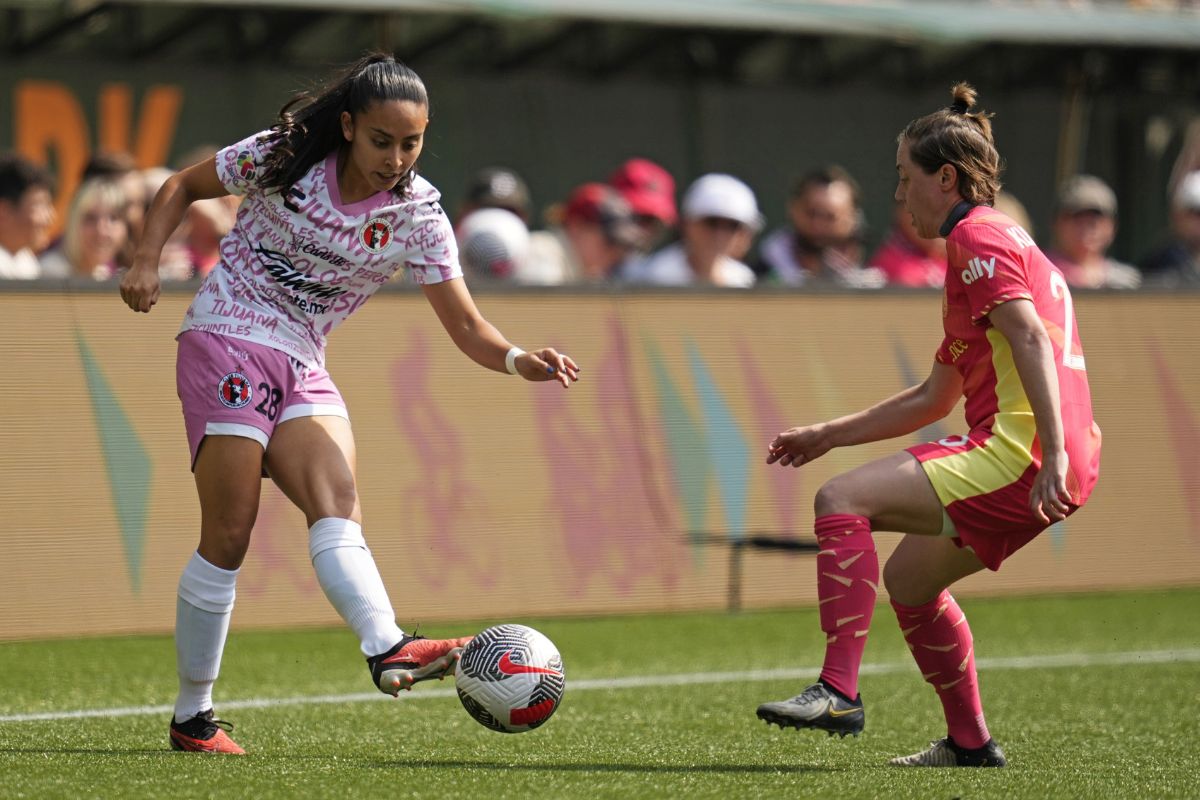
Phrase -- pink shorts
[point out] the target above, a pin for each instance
(232, 387)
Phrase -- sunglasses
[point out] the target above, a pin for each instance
(720, 223)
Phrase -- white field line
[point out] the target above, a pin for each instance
(1136, 657)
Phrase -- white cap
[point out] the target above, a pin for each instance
(1188, 194)
(492, 242)
(724, 196)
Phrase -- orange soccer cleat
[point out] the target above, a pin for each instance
(415, 659)
(203, 734)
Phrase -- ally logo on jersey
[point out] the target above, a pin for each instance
(978, 268)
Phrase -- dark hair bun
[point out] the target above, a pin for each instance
(964, 98)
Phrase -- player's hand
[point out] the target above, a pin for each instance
(1049, 497)
(547, 364)
(140, 287)
(797, 446)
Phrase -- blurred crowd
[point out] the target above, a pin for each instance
(103, 221)
(631, 228)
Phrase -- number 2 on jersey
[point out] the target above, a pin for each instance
(1059, 290)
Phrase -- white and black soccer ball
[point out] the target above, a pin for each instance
(510, 678)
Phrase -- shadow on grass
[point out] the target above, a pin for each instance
(731, 769)
(444, 764)
(89, 751)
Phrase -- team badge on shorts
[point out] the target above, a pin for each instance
(375, 235)
(234, 390)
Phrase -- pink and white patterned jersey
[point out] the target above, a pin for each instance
(299, 262)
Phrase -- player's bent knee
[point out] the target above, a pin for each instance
(835, 497)
(339, 501)
(223, 546)
(894, 580)
(906, 585)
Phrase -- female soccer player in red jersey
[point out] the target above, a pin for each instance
(1030, 456)
(333, 208)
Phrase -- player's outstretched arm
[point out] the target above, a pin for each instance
(903, 413)
(140, 285)
(1033, 356)
(485, 345)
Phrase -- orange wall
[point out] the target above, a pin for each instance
(484, 495)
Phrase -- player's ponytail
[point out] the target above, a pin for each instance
(958, 136)
(310, 124)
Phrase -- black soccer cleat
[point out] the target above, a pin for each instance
(945, 753)
(818, 707)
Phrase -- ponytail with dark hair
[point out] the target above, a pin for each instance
(957, 136)
(310, 124)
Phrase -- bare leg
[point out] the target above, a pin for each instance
(922, 566)
(229, 482)
(893, 493)
(228, 478)
(312, 459)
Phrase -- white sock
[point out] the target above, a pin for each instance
(202, 612)
(350, 579)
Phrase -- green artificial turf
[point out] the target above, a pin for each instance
(1089, 727)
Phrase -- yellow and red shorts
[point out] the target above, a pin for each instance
(983, 480)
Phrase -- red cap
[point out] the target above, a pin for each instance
(649, 189)
(603, 205)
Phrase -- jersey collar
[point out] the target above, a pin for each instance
(960, 210)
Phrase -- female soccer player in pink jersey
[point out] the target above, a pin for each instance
(333, 208)
(1030, 456)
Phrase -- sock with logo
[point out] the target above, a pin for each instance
(350, 580)
(940, 640)
(847, 582)
(202, 611)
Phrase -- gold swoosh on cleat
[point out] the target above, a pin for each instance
(833, 712)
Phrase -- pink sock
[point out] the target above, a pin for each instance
(847, 581)
(940, 640)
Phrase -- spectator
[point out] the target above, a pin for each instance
(175, 263)
(497, 187)
(1085, 224)
(720, 219)
(195, 247)
(593, 241)
(205, 225)
(1177, 263)
(823, 241)
(122, 169)
(26, 216)
(96, 231)
(650, 191)
(493, 243)
(905, 259)
(1008, 205)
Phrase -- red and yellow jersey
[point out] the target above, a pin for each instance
(992, 260)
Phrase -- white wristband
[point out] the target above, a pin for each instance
(510, 360)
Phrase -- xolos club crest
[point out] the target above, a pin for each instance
(234, 390)
(375, 235)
